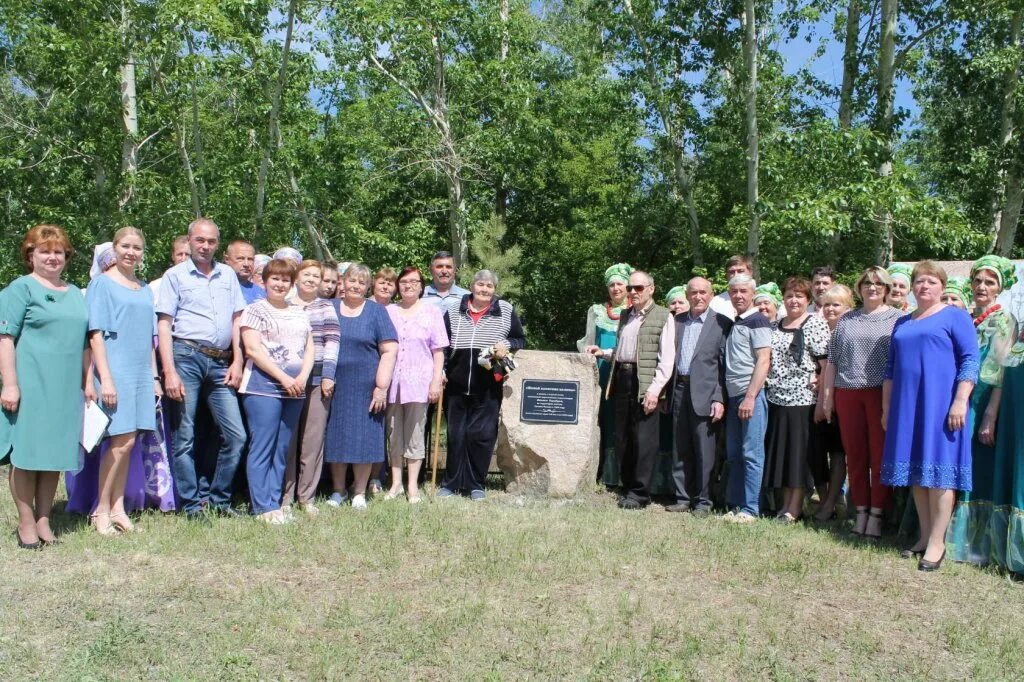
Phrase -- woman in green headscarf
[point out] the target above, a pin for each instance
(957, 293)
(676, 301)
(602, 332)
(901, 276)
(988, 524)
(768, 299)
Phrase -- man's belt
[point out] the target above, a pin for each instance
(626, 365)
(683, 379)
(208, 351)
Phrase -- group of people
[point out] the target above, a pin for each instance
(286, 363)
(805, 390)
(279, 362)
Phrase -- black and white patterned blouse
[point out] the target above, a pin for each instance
(860, 347)
(795, 361)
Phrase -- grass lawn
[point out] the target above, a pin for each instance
(504, 589)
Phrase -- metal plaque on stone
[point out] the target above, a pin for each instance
(550, 402)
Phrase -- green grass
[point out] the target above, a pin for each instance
(511, 588)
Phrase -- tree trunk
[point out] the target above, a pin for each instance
(884, 120)
(273, 133)
(1006, 201)
(500, 191)
(851, 67)
(753, 154)
(186, 164)
(451, 162)
(197, 138)
(684, 192)
(319, 246)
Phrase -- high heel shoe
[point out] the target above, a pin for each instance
(38, 544)
(928, 566)
(911, 553)
(122, 522)
(108, 529)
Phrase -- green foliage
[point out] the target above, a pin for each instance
(488, 252)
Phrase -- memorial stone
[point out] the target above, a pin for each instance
(548, 433)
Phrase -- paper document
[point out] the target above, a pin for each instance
(94, 425)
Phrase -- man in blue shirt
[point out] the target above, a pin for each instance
(241, 256)
(443, 291)
(199, 311)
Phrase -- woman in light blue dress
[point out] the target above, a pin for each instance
(122, 324)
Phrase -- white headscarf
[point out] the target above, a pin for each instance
(103, 259)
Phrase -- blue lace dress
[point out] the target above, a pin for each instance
(927, 358)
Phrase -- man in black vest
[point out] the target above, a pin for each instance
(698, 396)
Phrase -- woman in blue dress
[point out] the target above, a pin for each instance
(931, 370)
(122, 325)
(366, 360)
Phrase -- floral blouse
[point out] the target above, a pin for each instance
(795, 356)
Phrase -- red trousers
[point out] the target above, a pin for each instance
(860, 426)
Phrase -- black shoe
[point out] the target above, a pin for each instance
(630, 504)
(198, 516)
(228, 512)
(702, 512)
(924, 565)
(38, 544)
(678, 507)
(911, 553)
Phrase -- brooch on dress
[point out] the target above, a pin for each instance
(50, 298)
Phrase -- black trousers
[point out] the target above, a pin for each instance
(472, 433)
(636, 437)
(696, 438)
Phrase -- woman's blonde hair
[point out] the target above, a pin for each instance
(929, 267)
(874, 274)
(838, 293)
(126, 231)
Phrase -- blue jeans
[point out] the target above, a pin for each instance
(744, 451)
(271, 422)
(200, 482)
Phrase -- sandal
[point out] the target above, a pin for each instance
(874, 536)
(108, 528)
(122, 522)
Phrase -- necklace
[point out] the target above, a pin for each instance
(988, 311)
(613, 315)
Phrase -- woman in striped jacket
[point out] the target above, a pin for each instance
(478, 322)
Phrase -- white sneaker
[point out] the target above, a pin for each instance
(337, 499)
(744, 517)
(309, 508)
(359, 502)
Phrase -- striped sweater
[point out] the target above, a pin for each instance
(468, 339)
(323, 320)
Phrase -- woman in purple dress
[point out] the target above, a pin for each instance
(932, 368)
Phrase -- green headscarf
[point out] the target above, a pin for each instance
(960, 287)
(769, 290)
(674, 292)
(620, 272)
(902, 271)
(1006, 271)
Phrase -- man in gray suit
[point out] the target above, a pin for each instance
(698, 396)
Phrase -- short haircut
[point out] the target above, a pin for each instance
(178, 241)
(442, 255)
(647, 275)
(739, 259)
(412, 269)
(309, 263)
(202, 221)
(485, 276)
(128, 230)
(740, 280)
(929, 267)
(824, 271)
(386, 273)
(875, 274)
(838, 293)
(329, 265)
(45, 236)
(241, 242)
(797, 284)
(280, 267)
(359, 271)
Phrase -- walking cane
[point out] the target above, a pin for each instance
(437, 446)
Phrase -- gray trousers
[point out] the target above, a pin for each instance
(695, 440)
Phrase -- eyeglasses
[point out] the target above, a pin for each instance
(410, 283)
(638, 288)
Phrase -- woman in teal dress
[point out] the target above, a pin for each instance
(971, 530)
(601, 334)
(43, 324)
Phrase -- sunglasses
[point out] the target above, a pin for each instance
(638, 288)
